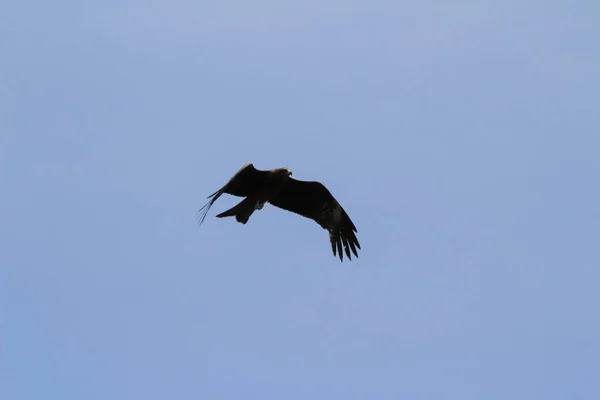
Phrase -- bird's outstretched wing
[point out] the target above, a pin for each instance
(313, 200)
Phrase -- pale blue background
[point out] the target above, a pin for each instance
(461, 137)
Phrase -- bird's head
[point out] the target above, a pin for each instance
(285, 172)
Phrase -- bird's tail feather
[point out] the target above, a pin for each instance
(241, 211)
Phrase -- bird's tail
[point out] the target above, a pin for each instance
(242, 211)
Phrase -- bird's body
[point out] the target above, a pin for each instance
(309, 199)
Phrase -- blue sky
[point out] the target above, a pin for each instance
(461, 137)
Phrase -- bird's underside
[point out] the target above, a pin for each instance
(308, 199)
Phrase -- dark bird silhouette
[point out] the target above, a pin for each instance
(277, 187)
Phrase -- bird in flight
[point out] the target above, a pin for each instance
(277, 187)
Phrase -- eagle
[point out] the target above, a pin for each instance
(308, 199)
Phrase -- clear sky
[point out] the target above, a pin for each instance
(462, 138)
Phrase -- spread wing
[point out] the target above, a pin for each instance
(244, 183)
(313, 200)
